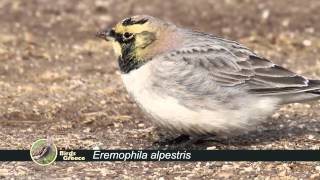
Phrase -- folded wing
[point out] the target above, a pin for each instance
(241, 69)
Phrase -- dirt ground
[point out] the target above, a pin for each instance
(57, 79)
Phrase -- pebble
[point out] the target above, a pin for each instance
(307, 43)
(311, 137)
(211, 148)
(87, 130)
(4, 172)
(265, 14)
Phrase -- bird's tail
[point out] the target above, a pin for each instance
(311, 92)
(315, 83)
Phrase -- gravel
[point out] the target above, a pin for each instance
(57, 79)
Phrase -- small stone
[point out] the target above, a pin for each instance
(285, 22)
(103, 102)
(310, 30)
(311, 137)
(4, 172)
(70, 169)
(248, 169)
(96, 148)
(265, 14)
(276, 116)
(226, 167)
(211, 148)
(87, 130)
(307, 43)
(198, 165)
(307, 106)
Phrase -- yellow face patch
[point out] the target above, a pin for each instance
(116, 48)
(131, 36)
(135, 28)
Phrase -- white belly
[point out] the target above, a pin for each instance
(164, 110)
(167, 112)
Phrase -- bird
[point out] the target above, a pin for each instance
(42, 150)
(199, 85)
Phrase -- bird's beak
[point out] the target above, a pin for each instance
(107, 35)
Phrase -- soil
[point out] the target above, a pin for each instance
(58, 80)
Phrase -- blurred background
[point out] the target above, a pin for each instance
(57, 79)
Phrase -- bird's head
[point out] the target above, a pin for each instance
(140, 37)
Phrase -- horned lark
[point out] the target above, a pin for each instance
(197, 84)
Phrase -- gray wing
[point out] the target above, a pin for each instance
(233, 66)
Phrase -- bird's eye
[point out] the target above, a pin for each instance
(127, 36)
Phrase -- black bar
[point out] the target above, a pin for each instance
(195, 155)
(217, 155)
(15, 155)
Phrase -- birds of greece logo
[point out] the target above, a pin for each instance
(43, 152)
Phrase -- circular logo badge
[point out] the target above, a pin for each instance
(43, 152)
